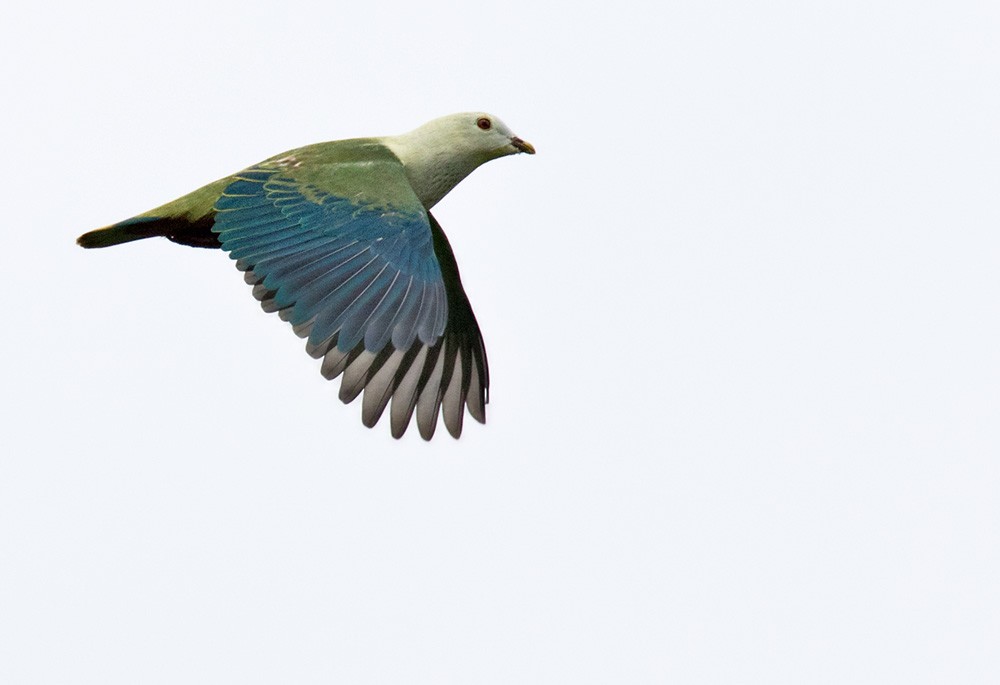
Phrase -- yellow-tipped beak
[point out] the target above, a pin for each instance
(522, 145)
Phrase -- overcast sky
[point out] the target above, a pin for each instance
(742, 314)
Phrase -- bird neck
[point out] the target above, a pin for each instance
(433, 169)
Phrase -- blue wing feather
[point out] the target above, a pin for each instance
(357, 271)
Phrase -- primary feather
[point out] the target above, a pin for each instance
(339, 240)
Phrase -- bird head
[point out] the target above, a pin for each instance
(442, 152)
(477, 134)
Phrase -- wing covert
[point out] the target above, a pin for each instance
(361, 271)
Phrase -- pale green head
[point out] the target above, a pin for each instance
(477, 134)
(442, 152)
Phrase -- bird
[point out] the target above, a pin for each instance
(338, 239)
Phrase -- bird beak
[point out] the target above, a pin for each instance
(522, 145)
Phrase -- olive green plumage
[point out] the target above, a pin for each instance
(338, 239)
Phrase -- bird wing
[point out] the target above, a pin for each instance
(344, 251)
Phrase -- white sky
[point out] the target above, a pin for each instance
(742, 315)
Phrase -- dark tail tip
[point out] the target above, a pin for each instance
(123, 232)
(98, 238)
(196, 233)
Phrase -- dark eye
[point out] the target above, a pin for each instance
(484, 123)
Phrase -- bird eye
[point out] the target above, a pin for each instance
(484, 123)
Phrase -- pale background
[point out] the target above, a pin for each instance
(742, 314)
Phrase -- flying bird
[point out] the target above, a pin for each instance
(338, 239)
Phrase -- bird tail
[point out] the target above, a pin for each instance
(196, 233)
(124, 232)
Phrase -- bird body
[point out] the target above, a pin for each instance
(338, 239)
